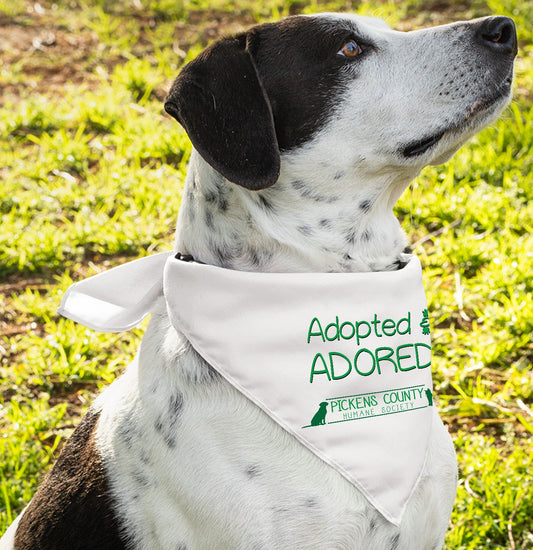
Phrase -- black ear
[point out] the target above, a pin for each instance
(219, 99)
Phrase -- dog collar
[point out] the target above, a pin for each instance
(342, 361)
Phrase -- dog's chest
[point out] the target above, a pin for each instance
(187, 474)
(203, 478)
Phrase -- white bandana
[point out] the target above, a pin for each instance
(342, 361)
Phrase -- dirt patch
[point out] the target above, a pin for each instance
(45, 56)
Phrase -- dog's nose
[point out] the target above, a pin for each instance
(498, 33)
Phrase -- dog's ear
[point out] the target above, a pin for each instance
(219, 99)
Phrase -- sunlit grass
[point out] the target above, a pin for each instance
(91, 173)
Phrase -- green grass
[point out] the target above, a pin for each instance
(91, 174)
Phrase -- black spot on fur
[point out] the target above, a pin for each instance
(311, 502)
(252, 471)
(166, 424)
(140, 478)
(209, 220)
(350, 236)
(266, 204)
(338, 175)
(126, 433)
(224, 256)
(298, 185)
(210, 197)
(220, 256)
(223, 202)
(325, 223)
(254, 257)
(305, 230)
(308, 193)
(365, 205)
(145, 459)
(165, 430)
(218, 197)
(366, 235)
(394, 542)
(73, 507)
(176, 404)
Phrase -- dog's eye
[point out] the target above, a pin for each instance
(350, 49)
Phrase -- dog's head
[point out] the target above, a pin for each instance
(344, 89)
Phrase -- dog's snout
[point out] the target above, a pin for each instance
(498, 34)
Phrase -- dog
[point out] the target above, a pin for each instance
(305, 132)
(320, 416)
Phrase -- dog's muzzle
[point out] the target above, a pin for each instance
(495, 45)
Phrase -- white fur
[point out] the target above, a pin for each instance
(8, 539)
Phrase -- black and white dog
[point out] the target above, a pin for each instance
(305, 134)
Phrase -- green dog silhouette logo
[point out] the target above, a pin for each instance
(320, 415)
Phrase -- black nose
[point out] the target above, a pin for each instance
(499, 34)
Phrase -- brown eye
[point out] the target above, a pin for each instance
(351, 49)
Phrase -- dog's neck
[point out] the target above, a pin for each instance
(306, 222)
